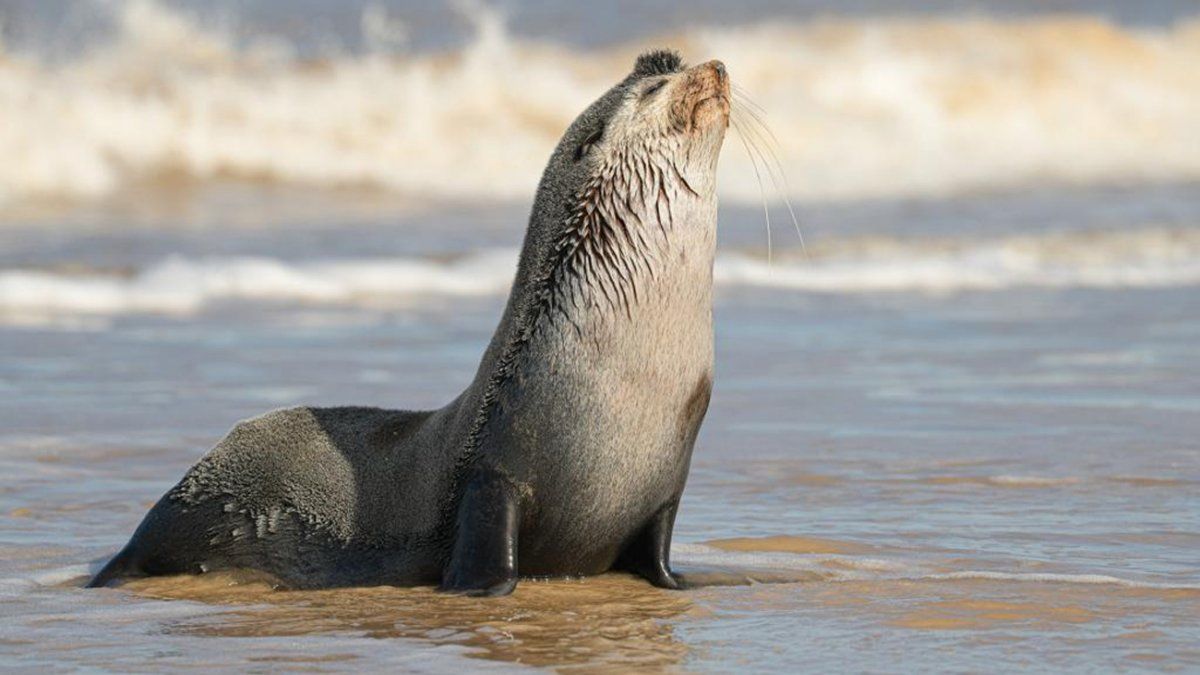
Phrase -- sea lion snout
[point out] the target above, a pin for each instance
(709, 80)
(719, 69)
(705, 96)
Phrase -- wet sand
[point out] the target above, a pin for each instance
(607, 622)
(617, 622)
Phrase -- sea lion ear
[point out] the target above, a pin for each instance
(658, 62)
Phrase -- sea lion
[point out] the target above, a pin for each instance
(567, 455)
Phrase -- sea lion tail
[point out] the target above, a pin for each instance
(121, 566)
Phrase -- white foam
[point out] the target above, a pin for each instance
(178, 285)
(1031, 481)
(61, 575)
(860, 107)
(1041, 577)
(816, 566)
(1137, 259)
(21, 584)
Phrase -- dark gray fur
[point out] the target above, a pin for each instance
(571, 447)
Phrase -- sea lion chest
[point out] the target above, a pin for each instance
(598, 422)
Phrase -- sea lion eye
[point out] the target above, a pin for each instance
(653, 89)
(586, 147)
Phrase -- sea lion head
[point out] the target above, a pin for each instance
(633, 174)
(663, 114)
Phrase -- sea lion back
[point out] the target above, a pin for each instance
(284, 489)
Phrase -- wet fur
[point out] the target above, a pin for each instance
(576, 434)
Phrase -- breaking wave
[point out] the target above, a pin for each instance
(1137, 259)
(860, 107)
(180, 285)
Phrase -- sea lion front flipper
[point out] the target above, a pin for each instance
(484, 561)
(649, 554)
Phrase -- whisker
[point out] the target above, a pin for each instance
(744, 96)
(742, 136)
(756, 113)
(778, 176)
(752, 124)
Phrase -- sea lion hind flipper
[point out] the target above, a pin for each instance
(121, 566)
(649, 554)
(484, 559)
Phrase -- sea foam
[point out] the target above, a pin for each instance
(181, 285)
(858, 107)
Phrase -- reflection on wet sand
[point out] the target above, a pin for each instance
(1011, 607)
(612, 621)
(788, 544)
(969, 613)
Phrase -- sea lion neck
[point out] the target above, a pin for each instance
(604, 224)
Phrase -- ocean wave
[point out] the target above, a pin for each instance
(180, 285)
(859, 107)
(1144, 258)
(946, 274)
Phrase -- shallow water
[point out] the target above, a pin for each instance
(957, 431)
(939, 476)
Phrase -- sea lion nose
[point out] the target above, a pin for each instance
(719, 69)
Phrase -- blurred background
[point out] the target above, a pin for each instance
(969, 398)
(462, 100)
(223, 115)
